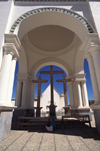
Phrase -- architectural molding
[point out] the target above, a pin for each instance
(12, 38)
(77, 77)
(10, 48)
(90, 43)
(50, 53)
(95, 107)
(25, 77)
(40, 10)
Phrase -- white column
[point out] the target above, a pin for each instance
(71, 96)
(32, 95)
(75, 94)
(93, 78)
(24, 94)
(4, 76)
(84, 94)
(11, 80)
(18, 94)
(79, 97)
(96, 61)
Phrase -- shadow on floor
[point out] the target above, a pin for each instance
(81, 130)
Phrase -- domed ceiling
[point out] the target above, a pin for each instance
(51, 37)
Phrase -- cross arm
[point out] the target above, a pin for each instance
(45, 72)
(64, 80)
(58, 72)
(39, 81)
(59, 80)
(44, 81)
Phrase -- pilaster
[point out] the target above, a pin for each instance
(96, 60)
(11, 54)
(93, 77)
(4, 76)
(24, 94)
(18, 94)
(31, 103)
(11, 80)
(79, 96)
(71, 95)
(84, 94)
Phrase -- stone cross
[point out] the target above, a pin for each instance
(51, 72)
(39, 81)
(64, 80)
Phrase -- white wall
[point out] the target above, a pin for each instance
(95, 9)
(80, 8)
(46, 99)
(4, 13)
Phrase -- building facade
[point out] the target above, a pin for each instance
(48, 32)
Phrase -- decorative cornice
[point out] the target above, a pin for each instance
(25, 77)
(40, 10)
(90, 43)
(10, 49)
(9, 38)
(77, 77)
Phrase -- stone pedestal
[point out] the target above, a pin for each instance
(5, 120)
(96, 109)
(21, 112)
(38, 111)
(52, 110)
(66, 109)
(80, 110)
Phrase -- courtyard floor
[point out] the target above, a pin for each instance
(68, 139)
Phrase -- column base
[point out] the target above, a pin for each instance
(38, 111)
(66, 108)
(5, 120)
(96, 109)
(21, 111)
(52, 111)
(82, 110)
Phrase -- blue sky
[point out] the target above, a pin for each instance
(57, 85)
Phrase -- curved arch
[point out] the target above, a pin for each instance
(51, 61)
(23, 62)
(60, 10)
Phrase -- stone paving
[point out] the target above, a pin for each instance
(68, 139)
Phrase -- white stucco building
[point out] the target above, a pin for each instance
(50, 32)
(45, 100)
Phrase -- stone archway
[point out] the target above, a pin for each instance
(18, 42)
(64, 21)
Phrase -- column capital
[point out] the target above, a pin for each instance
(19, 81)
(25, 81)
(22, 77)
(10, 48)
(77, 77)
(30, 78)
(82, 82)
(95, 51)
(33, 84)
(15, 58)
(88, 56)
(12, 38)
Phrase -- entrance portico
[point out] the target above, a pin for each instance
(54, 41)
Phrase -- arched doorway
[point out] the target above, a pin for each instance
(69, 50)
(58, 91)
